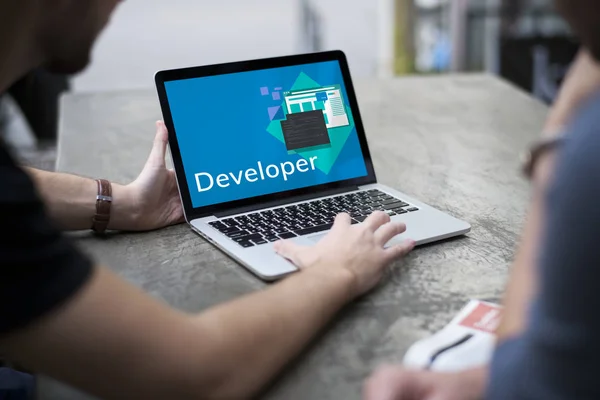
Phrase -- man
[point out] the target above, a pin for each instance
(64, 317)
(150, 202)
(548, 340)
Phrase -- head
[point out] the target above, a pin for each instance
(68, 30)
(58, 34)
(584, 18)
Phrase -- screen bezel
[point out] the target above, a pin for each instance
(220, 69)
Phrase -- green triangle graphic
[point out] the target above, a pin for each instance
(326, 157)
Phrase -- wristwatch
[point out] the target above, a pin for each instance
(103, 202)
(531, 157)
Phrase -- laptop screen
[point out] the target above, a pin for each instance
(248, 134)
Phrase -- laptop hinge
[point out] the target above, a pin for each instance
(288, 200)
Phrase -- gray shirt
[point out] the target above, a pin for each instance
(558, 356)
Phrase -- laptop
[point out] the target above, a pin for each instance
(274, 149)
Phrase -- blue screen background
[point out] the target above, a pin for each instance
(221, 126)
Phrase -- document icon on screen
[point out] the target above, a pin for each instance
(305, 129)
(327, 99)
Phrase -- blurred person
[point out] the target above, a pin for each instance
(548, 344)
(16, 385)
(65, 317)
(150, 202)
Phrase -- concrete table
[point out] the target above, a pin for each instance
(452, 142)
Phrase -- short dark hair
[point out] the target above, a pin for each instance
(584, 18)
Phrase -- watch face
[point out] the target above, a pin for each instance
(525, 158)
(526, 161)
(531, 157)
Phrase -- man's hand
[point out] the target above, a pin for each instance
(354, 249)
(396, 383)
(150, 202)
(153, 196)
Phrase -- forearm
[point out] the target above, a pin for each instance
(521, 287)
(126, 345)
(70, 200)
(277, 323)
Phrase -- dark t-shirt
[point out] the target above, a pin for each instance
(39, 267)
(558, 356)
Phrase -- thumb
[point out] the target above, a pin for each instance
(438, 396)
(159, 148)
(289, 250)
(400, 250)
(382, 391)
(391, 383)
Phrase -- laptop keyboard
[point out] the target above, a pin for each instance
(303, 219)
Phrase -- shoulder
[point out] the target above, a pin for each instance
(39, 267)
(583, 135)
(578, 161)
(15, 184)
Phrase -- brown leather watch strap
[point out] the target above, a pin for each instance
(103, 201)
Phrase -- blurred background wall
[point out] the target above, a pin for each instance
(147, 35)
(523, 41)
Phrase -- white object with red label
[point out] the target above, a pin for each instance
(467, 341)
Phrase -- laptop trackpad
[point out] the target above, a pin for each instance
(316, 238)
(395, 240)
